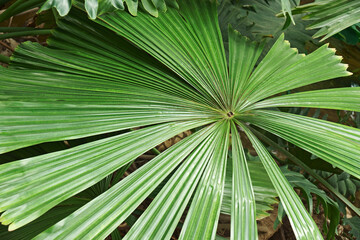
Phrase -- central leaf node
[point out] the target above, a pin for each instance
(230, 114)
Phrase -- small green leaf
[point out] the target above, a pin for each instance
(132, 6)
(91, 7)
(354, 223)
(172, 3)
(119, 4)
(62, 6)
(160, 4)
(150, 7)
(286, 9)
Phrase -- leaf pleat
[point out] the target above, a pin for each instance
(302, 223)
(243, 210)
(45, 221)
(84, 48)
(101, 216)
(322, 138)
(32, 186)
(75, 114)
(243, 55)
(187, 41)
(283, 68)
(162, 216)
(341, 99)
(102, 88)
(202, 218)
(264, 192)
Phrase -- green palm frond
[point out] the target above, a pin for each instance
(308, 189)
(145, 80)
(331, 16)
(255, 19)
(314, 135)
(243, 223)
(264, 192)
(286, 8)
(45, 221)
(342, 98)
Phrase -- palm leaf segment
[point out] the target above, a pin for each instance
(91, 81)
(330, 16)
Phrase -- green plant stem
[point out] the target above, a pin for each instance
(155, 151)
(18, 7)
(25, 33)
(4, 59)
(16, 29)
(298, 162)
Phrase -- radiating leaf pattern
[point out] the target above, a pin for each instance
(314, 135)
(145, 80)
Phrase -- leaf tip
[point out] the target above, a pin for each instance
(12, 227)
(287, 43)
(295, 50)
(332, 49)
(347, 72)
(340, 58)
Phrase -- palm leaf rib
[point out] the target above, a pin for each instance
(243, 55)
(72, 88)
(162, 216)
(182, 41)
(161, 77)
(341, 99)
(63, 174)
(264, 192)
(202, 218)
(331, 16)
(284, 69)
(309, 170)
(243, 211)
(303, 225)
(91, 53)
(317, 136)
(119, 202)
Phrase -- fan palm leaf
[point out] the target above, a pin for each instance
(160, 77)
